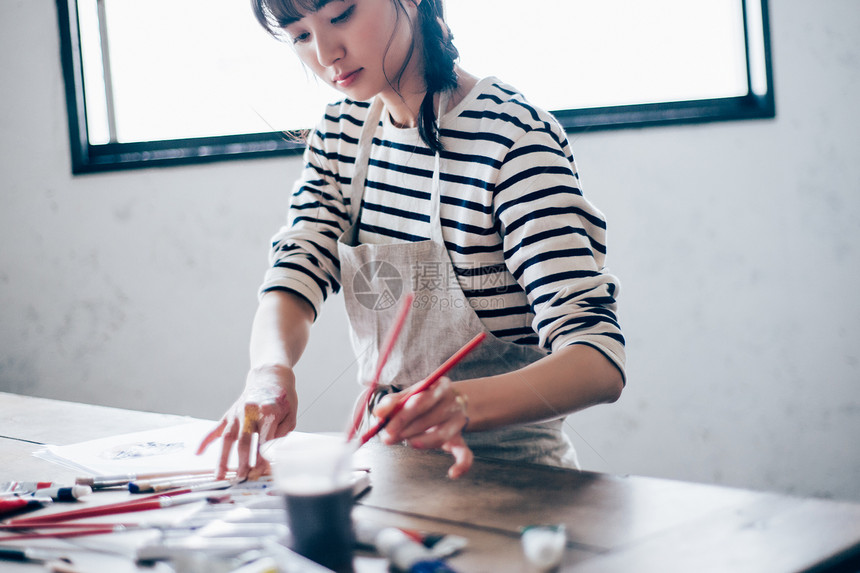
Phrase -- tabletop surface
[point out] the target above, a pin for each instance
(613, 523)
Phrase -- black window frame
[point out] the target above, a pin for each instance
(88, 158)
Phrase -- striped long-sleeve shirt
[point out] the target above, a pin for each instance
(527, 247)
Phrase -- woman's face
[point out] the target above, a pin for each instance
(358, 46)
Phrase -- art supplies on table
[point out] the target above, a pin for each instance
(178, 514)
(51, 560)
(21, 487)
(123, 480)
(16, 505)
(406, 550)
(43, 489)
(207, 532)
(172, 483)
(66, 493)
(543, 545)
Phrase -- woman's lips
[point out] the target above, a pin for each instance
(345, 80)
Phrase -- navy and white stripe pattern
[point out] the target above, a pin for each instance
(528, 249)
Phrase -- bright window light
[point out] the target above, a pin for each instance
(162, 70)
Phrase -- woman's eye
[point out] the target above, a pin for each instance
(344, 16)
(303, 37)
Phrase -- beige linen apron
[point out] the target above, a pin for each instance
(375, 276)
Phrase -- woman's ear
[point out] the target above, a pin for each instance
(416, 5)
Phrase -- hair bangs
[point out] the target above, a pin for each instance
(275, 15)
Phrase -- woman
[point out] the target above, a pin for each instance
(471, 196)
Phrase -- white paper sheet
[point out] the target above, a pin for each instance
(164, 449)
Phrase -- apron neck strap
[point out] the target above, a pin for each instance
(362, 157)
(362, 161)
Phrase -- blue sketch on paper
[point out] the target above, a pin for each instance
(142, 450)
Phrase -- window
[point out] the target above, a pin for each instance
(157, 82)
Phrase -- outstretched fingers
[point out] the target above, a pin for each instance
(229, 436)
(463, 456)
(211, 437)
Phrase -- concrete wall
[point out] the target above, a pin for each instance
(737, 246)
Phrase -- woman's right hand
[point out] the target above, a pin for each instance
(436, 418)
(267, 407)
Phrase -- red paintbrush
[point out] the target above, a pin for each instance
(73, 525)
(93, 529)
(429, 381)
(147, 503)
(399, 320)
(99, 510)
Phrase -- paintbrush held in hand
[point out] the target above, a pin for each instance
(423, 386)
(393, 334)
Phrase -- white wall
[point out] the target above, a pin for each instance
(737, 246)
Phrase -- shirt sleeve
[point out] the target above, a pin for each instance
(555, 246)
(303, 258)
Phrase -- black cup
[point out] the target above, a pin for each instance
(321, 527)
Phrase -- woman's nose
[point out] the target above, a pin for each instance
(329, 50)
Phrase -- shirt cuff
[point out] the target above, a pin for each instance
(301, 286)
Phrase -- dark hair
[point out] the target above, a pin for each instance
(275, 15)
(438, 49)
(439, 75)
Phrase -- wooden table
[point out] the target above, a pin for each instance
(613, 523)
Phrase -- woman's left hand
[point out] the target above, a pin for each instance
(431, 419)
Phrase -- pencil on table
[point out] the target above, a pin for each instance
(101, 482)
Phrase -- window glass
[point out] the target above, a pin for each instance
(605, 53)
(195, 68)
(161, 70)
